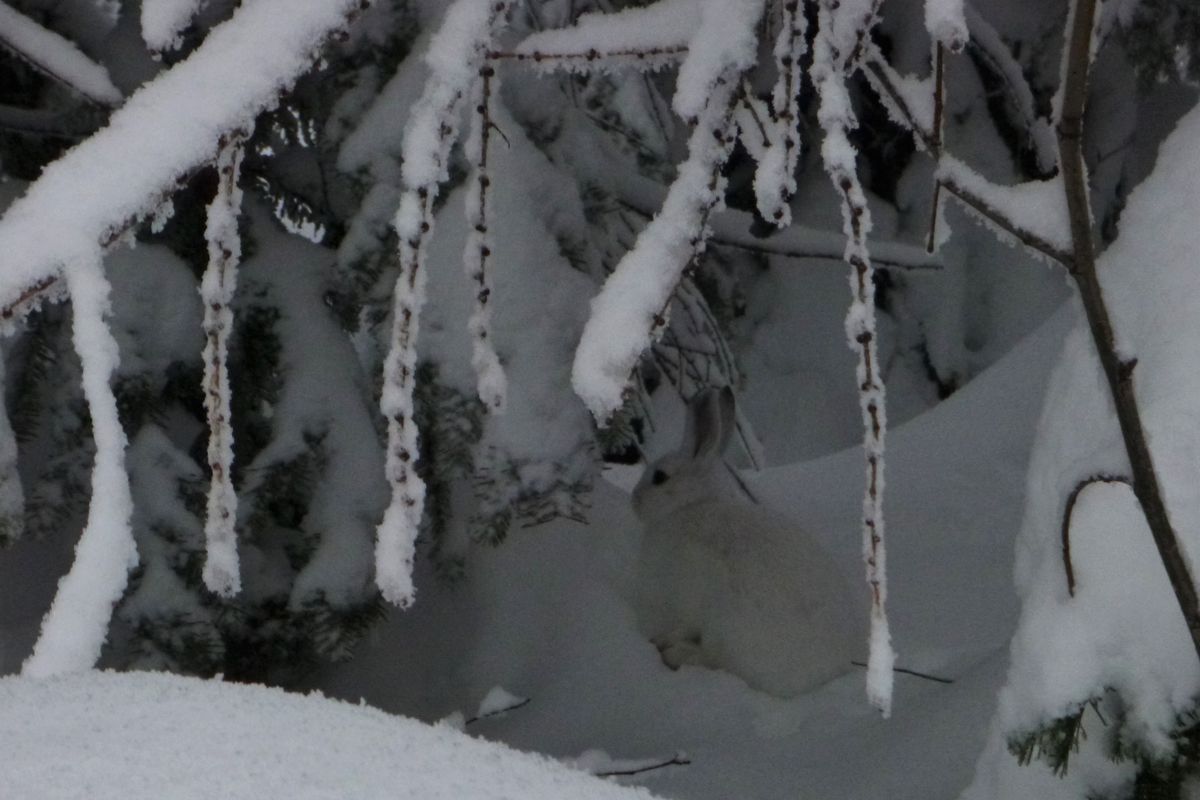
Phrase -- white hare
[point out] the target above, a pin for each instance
(725, 583)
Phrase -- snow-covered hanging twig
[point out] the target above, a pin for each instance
(76, 626)
(217, 289)
(775, 179)
(492, 385)
(630, 310)
(168, 128)
(456, 54)
(844, 26)
(947, 24)
(56, 57)
(164, 20)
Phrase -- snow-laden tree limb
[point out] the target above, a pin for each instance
(56, 57)
(166, 130)
(649, 37)
(1034, 213)
(631, 308)
(76, 626)
(456, 55)
(221, 573)
(844, 28)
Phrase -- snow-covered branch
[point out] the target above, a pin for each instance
(946, 23)
(56, 57)
(76, 626)
(456, 56)
(844, 28)
(1031, 213)
(648, 38)
(630, 310)
(775, 179)
(221, 573)
(491, 382)
(165, 131)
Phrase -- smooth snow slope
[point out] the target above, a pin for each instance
(142, 735)
(547, 616)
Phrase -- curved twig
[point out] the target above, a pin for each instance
(1069, 510)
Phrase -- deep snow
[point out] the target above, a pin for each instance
(102, 736)
(548, 616)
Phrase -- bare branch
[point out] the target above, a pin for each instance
(1069, 511)
(677, 760)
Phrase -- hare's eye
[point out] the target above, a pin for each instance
(659, 477)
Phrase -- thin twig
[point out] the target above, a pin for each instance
(1069, 511)
(499, 711)
(677, 760)
(905, 671)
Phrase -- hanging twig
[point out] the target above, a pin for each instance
(840, 41)
(468, 27)
(490, 379)
(939, 111)
(221, 573)
(775, 181)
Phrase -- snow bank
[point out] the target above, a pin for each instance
(1122, 629)
(155, 735)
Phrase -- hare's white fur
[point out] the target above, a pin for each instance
(725, 583)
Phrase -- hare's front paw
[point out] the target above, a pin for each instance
(679, 648)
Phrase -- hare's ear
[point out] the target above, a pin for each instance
(710, 423)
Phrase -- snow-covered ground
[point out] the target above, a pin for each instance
(107, 735)
(548, 616)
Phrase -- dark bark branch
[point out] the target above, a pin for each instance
(500, 711)
(677, 760)
(1069, 511)
(939, 116)
(905, 671)
(1118, 372)
(591, 56)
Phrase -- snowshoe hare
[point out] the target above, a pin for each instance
(727, 584)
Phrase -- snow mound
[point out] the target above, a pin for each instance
(119, 735)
